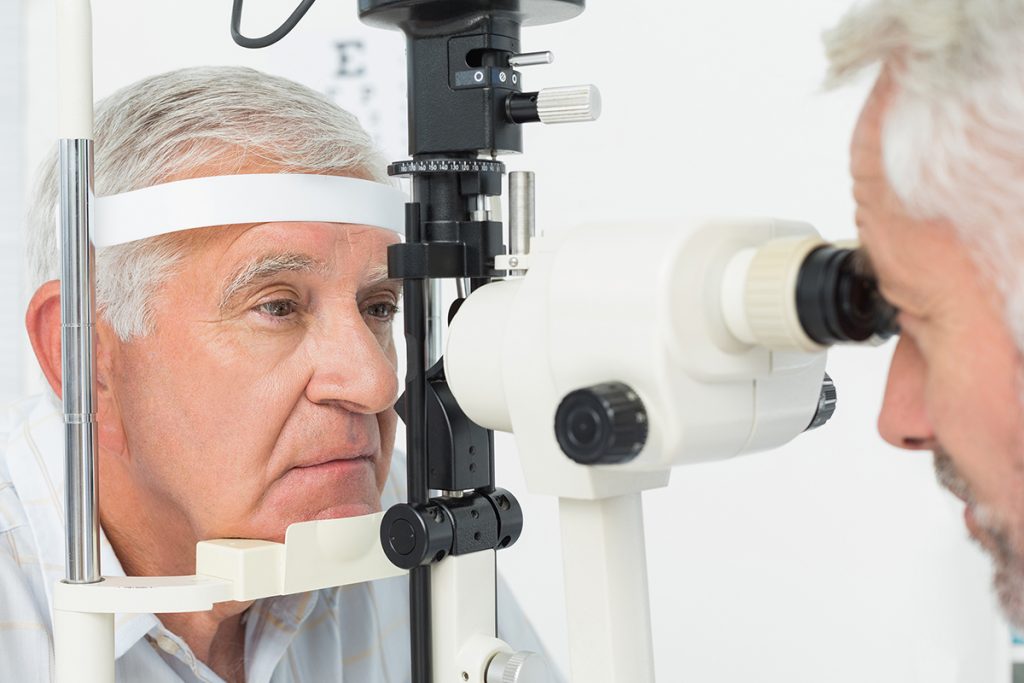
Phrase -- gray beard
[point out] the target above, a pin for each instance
(1007, 560)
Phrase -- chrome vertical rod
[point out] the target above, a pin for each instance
(77, 291)
(521, 213)
(437, 320)
(78, 360)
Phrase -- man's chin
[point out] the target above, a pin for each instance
(347, 510)
(1009, 587)
(1007, 561)
(311, 514)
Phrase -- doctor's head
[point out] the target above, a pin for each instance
(938, 167)
(246, 373)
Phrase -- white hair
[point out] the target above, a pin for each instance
(953, 134)
(189, 123)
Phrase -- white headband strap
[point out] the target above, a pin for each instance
(248, 198)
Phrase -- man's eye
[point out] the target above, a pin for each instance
(383, 311)
(280, 308)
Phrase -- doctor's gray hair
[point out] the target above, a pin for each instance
(953, 134)
(190, 123)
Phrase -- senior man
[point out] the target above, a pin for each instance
(245, 381)
(938, 166)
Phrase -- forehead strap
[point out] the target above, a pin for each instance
(247, 198)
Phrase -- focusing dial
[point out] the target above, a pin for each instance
(826, 404)
(605, 424)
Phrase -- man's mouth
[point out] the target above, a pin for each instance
(339, 464)
(950, 478)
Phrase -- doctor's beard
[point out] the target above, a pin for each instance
(998, 534)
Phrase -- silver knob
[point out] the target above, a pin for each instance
(517, 667)
(530, 59)
(569, 104)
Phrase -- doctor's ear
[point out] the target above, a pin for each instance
(42, 321)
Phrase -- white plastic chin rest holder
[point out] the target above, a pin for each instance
(315, 555)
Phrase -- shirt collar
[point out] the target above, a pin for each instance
(35, 457)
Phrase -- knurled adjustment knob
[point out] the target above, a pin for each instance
(517, 667)
(605, 424)
(569, 104)
(827, 401)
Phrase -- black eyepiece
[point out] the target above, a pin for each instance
(838, 301)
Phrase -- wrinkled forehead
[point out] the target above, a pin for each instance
(231, 200)
(352, 257)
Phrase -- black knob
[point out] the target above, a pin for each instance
(605, 424)
(416, 535)
(826, 404)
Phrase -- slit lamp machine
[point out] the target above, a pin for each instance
(612, 353)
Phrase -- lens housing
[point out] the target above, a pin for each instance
(838, 301)
(799, 293)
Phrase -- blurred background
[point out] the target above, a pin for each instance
(836, 559)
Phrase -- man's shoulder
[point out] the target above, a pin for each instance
(13, 417)
(14, 414)
(17, 422)
(21, 562)
(24, 618)
(18, 418)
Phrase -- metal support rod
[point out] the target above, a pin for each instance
(479, 210)
(77, 292)
(522, 212)
(78, 361)
(437, 321)
(415, 302)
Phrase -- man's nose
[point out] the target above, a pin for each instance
(903, 421)
(352, 369)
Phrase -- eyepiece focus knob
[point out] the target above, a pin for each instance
(826, 404)
(605, 424)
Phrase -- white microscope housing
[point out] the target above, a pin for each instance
(662, 309)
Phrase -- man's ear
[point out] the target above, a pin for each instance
(42, 320)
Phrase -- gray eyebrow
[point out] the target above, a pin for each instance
(377, 275)
(264, 268)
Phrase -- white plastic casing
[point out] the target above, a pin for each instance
(317, 554)
(643, 305)
(463, 617)
(74, 69)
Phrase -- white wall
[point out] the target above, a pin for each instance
(12, 370)
(833, 560)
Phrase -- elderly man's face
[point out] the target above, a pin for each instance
(954, 382)
(265, 395)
